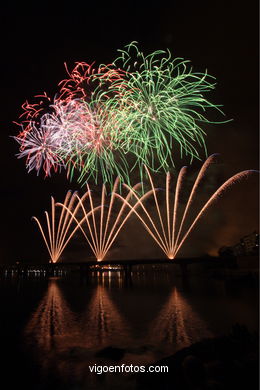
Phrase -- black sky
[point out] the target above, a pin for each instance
(38, 37)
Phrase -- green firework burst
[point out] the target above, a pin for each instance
(159, 104)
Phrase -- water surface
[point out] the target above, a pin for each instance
(52, 329)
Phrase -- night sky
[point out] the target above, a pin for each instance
(38, 37)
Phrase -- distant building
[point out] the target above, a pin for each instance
(238, 249)
(248, 245)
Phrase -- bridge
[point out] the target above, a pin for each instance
(84, 268)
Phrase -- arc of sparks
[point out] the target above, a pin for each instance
(225, 186)
(56, 239)
(103, 231)
(165, 233)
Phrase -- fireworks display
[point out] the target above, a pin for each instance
(160, 104)
(169, 229)
(101, 221)
(109, 121)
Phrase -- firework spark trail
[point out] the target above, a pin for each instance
(56, 240)
(80, 135)
(31, 111)
(80, 132)
(73, 127)
(228, 183)
(88, 140)
(210, 160)
(156, 235)
(84, 219)
(171, 242)
(161, 98)
(113, 234)
(175, 209)
(157, 206)
(165, 241)
(139, 107)
(102, 232)
(66, 222)
(72, 88)
(40, 151)
(75, 135)
(84, 81)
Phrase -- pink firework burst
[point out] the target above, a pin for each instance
(40, 150)
(75, 128)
